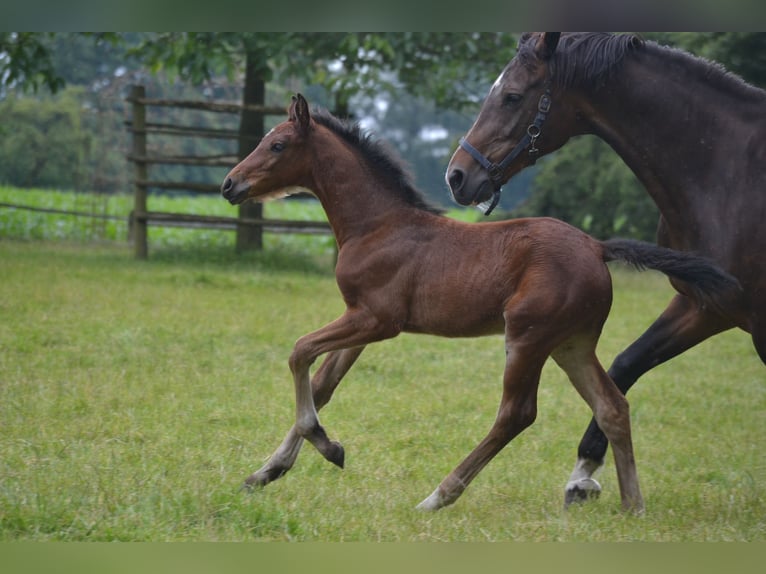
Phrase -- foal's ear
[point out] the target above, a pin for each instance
(299, 113)
(546, 45)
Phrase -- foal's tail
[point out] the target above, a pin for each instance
(707, 283)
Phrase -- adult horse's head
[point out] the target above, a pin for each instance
(512, 128)
(272, 170)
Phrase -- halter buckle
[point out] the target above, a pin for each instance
(495, 174)
(544, 105)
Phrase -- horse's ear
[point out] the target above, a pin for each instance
(299, 113)
(547, 44)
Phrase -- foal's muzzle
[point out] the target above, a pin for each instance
(235, 193)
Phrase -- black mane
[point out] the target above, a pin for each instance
(584, 59)
(380, 156)
(587, 59)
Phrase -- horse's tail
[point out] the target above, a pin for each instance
(706, 282)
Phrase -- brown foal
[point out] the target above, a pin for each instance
(402, 267)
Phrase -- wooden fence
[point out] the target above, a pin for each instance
(141, 217)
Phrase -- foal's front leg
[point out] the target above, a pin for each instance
(323, 384)
(344, 340)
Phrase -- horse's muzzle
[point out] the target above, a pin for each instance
(463, 192)
(234, 193)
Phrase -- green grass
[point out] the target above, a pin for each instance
(136, 396)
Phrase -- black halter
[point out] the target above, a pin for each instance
(496, 170)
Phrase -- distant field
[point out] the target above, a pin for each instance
(24, 224)
(136, 396)
(29, 225)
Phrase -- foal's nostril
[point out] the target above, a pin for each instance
(455, 179)
(228, 185)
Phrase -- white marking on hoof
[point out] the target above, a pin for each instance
(433, 502)
(582, 486)
(581, 491)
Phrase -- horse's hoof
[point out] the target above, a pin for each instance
(581, 490)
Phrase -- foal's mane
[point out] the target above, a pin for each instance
(380, 156)
(587, 59)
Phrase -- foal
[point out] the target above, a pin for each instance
(404, 268)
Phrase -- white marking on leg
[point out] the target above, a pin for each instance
(582, 476)
(434, 502)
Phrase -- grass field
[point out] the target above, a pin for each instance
(136, 396)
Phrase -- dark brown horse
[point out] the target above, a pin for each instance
(694, 135)
(403, 267)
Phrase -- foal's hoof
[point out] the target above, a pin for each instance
(262, 478)
(434, 502)
(336, 454)
(581, 490)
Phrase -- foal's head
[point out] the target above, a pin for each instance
(286, 161)
(276, 167)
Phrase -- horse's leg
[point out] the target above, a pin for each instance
(758, 329)
(355, 328)
(577, 357)
(518, 409)
(323, 384)
(681, 326)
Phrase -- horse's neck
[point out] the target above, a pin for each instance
(667, 127)
(351, 198)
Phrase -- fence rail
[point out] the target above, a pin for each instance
(223, 222)
(54, 211)
(142, 159)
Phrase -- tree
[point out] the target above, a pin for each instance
(587, 185)
(26, 62)
(48, 146)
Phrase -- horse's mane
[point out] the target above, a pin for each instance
(591, 57)
(587, 59)
(380, 156)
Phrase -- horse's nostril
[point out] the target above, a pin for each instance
(227, 186)
(455, 179)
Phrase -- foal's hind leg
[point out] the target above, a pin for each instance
(679, 328)
(323, 384)
(577, 357)
(518, 409)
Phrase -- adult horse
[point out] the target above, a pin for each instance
(694, 135)
(403, 267)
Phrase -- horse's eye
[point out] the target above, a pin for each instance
(277, 147)
(510, 99)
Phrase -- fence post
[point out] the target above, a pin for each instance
(250, 237)
(140, 240)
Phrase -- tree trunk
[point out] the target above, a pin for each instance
(251, 130)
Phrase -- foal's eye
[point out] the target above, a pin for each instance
(277, 147)
(510, 99)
